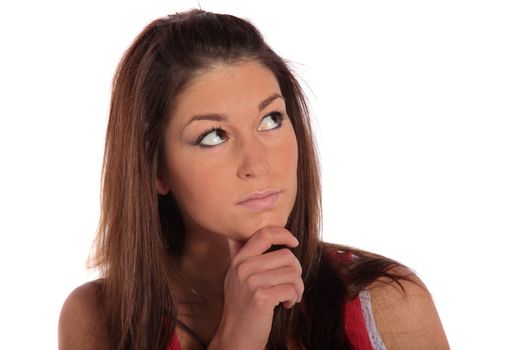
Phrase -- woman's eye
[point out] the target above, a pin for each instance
(271, 121)
(212, 137)
(216, 136)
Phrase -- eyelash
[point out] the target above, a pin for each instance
(280, 117)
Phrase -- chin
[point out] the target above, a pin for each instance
(265, 220)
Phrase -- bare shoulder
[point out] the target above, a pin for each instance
(405, 314)
(81, 325)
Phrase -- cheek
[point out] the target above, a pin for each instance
(197, 186)
(285, 163)
(289, 157)
(294, 155)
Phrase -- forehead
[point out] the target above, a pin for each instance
(237, 87)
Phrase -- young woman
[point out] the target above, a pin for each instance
(209, 233)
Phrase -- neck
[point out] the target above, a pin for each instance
(204, 264)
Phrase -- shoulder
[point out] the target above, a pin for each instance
(405, 314)
(80, 325)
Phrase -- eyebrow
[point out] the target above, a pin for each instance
(221, 117)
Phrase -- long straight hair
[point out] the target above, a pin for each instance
(140, 231)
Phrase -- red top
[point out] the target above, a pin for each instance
(355, 327)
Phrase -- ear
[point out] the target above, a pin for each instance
(162, 186)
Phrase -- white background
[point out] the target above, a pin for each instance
(419, 112)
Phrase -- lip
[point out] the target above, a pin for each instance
(260, 200)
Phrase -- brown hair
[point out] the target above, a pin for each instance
(141, 231)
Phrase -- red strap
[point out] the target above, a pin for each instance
(174, 343)
(355, 326)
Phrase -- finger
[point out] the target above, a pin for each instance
(288, 304)
(234, 246)
(271, 297)
(287, 275)
(263, 239)
(270, 261)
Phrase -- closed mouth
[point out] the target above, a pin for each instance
(260, 200)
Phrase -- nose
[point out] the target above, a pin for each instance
(253, 159)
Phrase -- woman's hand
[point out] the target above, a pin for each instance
(254, 285)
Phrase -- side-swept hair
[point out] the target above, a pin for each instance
(140, 232)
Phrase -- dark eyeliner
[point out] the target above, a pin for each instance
(280, 118)
(204, 134)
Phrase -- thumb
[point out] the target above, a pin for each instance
(234, 246)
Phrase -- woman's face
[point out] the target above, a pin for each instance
(229, 138)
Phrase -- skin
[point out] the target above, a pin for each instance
(224, 259)
(257, 154)
(409, 319)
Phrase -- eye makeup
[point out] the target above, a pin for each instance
(220, 134)
(276, 116)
